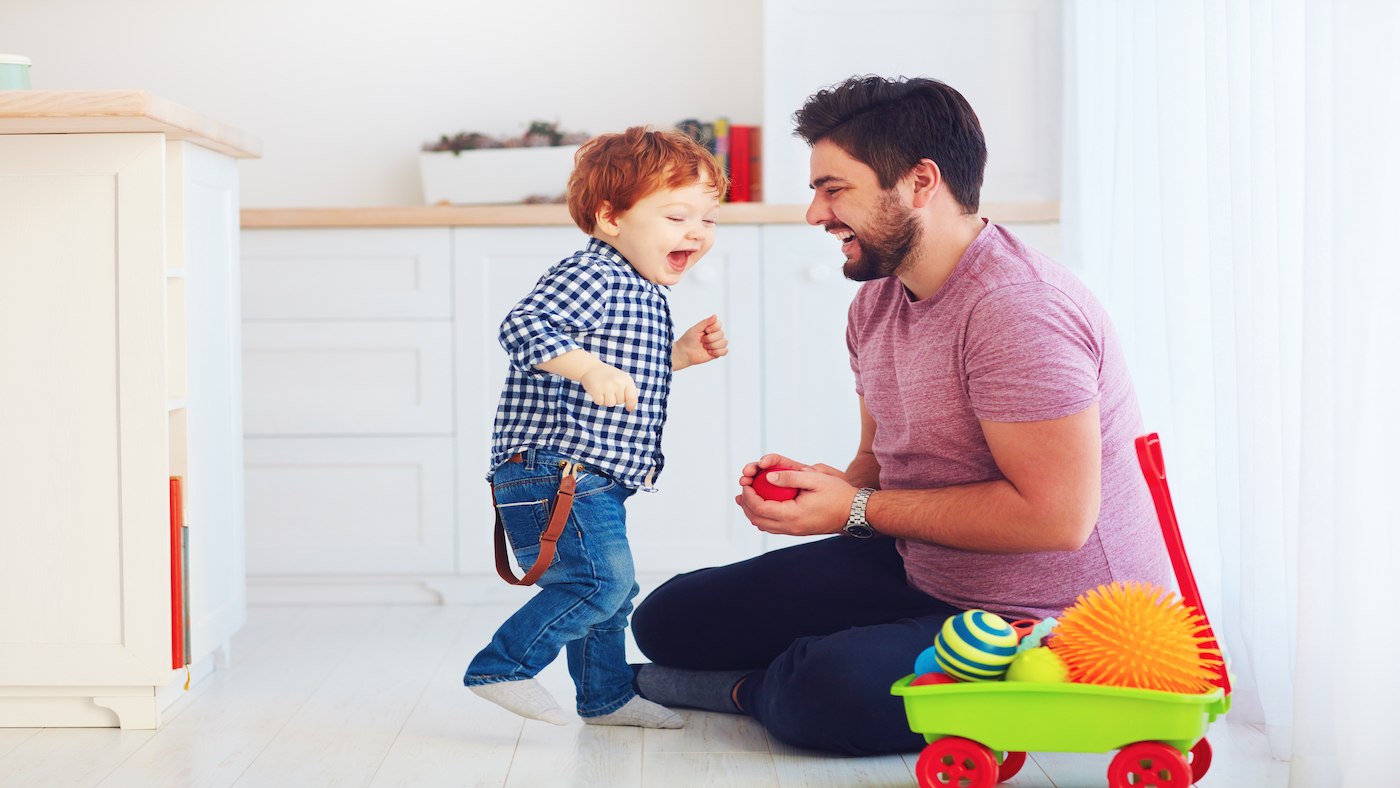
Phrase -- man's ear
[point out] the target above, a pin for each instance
(925, 180)
(606, 222)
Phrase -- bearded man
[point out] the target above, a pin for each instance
(996, 467)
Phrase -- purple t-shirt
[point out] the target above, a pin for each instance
(1012, 336)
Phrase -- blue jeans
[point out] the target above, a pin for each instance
(585, 595)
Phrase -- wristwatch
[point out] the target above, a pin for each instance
(856, 525)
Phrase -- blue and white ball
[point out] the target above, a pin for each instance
(975, 646)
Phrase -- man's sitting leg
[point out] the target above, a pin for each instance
(837, 615)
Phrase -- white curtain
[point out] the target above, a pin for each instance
(1232, 193)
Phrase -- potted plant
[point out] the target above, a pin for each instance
(475, 169)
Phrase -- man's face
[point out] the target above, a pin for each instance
(667, 232)
(876, 229)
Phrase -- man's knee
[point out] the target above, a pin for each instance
(655, 624)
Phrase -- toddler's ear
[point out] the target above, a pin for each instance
(605, 220)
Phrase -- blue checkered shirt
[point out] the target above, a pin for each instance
(596, 301)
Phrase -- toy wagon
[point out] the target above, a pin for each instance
(978, 733)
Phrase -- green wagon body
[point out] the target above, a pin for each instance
(1028, 716)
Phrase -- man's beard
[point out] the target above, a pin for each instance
(885, 246)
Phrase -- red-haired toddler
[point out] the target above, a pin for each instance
(591, 355)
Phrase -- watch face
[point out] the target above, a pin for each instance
(859, 531)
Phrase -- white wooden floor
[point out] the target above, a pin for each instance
(373, 696)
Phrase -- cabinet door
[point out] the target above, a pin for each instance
(84, 507)
(349, 505)
(810, 408)
(351, 378)
(712, 425)
(398, 273)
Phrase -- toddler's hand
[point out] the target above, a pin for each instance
(704, 341)
(609, 386)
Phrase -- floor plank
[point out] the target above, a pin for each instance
(1241, 758)
(707, 731)
(10, 738)
(341, 734)
(453, 738)
(1075, 769)
(240, 711)
(578, 756)
(69, 757)
(799, 768)
(710, 769)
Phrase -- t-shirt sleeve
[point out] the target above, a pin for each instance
(1031, 355)
(565, 304)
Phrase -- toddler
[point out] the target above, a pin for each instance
(578, 428)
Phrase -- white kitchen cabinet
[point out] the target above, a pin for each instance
(388, 273)
(118, 338)
(347, 378)
(350, 505)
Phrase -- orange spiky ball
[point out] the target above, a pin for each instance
(1136, 635)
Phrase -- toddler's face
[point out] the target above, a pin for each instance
(667, 232)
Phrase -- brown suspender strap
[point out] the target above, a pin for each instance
(558, 517)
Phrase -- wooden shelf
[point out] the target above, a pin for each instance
(558, 215)
(102, 111)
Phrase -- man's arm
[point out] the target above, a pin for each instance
(1048, 501)
(864, 470)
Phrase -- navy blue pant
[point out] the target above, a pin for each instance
(827, 627)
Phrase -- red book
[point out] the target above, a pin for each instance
(739, 153)
(177, 575)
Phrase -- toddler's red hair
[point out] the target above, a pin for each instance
(620, 169)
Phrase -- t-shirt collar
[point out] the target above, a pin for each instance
(973, 250)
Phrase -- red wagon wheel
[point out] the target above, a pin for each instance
(956, 762)
(1012, 764)
(1200, 760)
(1149, 764)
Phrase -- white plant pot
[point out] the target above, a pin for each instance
(495, 175)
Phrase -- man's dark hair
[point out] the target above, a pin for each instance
(890, 124)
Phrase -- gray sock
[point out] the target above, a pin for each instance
(711, 690)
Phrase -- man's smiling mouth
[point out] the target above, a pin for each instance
(847, 237)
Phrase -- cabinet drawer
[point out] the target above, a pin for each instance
(402, 273)
(347, 378)
(349, 505)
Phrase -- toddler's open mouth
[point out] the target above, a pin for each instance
(678, 259)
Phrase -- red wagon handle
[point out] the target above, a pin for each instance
(1149, 452)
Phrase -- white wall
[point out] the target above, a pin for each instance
(343, 93)
(1002, 55)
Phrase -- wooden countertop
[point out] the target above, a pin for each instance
(558, 215)
(102, 111)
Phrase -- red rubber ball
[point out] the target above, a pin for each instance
(769, 491)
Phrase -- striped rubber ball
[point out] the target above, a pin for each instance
(975, 646)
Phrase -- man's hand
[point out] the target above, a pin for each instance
(702, 342)
(609, 386)
(822, 505)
